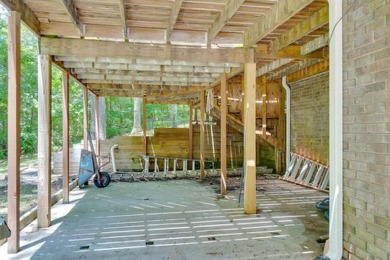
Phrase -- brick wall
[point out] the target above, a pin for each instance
(310, 117)
(366, 121)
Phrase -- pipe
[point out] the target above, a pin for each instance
(115, 146)
(336, 130)
(288, 119)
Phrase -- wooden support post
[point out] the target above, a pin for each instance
(250, 138)
(196, 116)
(65, 136)
(44, 141)
(264, 107)
(223, 133)
(144, 126)
(85, 118)
(13, 131)
(190, 134)
(202, 128)
(97, 129)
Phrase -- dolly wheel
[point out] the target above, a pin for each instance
(105, 179)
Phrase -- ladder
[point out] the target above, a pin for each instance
(306, 172)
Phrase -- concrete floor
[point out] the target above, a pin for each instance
(180, 219)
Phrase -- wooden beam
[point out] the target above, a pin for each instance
(309, 71)
(85, 118)
(95, 48)
(250, 138)
(274, 65)
(202, 132)
(229, 10)
(122, 12)
(279, 13)
(289, 52)
(315, 44)
(65, 137)
(233, 73)
(173, 18)
(264, 106)
(44, 141)
(60, 66)
(27, 15)
(144, 127)
(173, 97)
(190, 133)
(14, 95)
(97, 129)
(73, 15)
(292, 68)
(223, 134)
(146, 88)
(317, 20)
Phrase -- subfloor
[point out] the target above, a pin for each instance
(178, 219)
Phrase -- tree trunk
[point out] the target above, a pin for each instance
(137, 116)
(174, 115)
(102, 118)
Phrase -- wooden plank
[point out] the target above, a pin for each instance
(190, 132)
(223, 134)
(85, 118)
(44, 141)
(65, 137)
(315, 44)
(27, 15)
(250, 138)
(264, 105)
(14, 95)
(73, 15)
(230, 9)
(317, 20)
(94, 48)
(145, 140)
(173, 18)
(309, 71)
(279, 13)
(202, 132)
(289, 52)
(122, 12)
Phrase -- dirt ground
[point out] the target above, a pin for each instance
(28, 189)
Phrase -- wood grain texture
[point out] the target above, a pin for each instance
(14, 96)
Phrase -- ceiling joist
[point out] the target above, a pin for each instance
(27, 15)
(173, 18)
(229, 10)
(317, 20)
(279, 13)
(73, 15)
(122, 13)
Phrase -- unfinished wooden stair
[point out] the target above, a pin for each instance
(239, 126)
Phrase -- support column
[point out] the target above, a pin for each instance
(190, 134)
(144, 126)
(223, 133)
(264, 107)
(202, 128)
(13, 131)
(85, 118)
(44, 141)
(250, 138)
(65, 136)
(97, 129)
